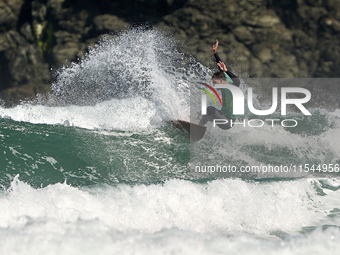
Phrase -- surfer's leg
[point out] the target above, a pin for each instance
(209, 116)
(220, 116)
(213, 113)
(204, 120)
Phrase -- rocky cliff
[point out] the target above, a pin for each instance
(258, 38)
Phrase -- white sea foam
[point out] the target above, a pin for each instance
(177, 217)
(223, 206)
(126, 114)
(53, 237)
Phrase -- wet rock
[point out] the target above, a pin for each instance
(4, 44)
(109, 23)
(22, 60)
(330, 25)
(63, 37)
(263, 21)
(9, 11)
(76, 23)
(14, 5)
(38, 11)
(63, 54)
(262, 52)
(259, 38)
(255, 68)
(67, 48)
(244, 35)
(55, 9)
(26, 31)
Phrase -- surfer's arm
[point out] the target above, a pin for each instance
(215, 46)
(235, 79)
(218, 59)
(222, 67)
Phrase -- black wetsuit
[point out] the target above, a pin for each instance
(235, 79)
(212, 112)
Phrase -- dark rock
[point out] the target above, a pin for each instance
(4, 43)
(67, 48)
(244, 35)
(263, 52)
(63, 54)
(255, 68)
(76, 23)
(258, 38)
(268, 20)
(109, 23)
(15, 5)
(55, 9)
(63, 37)
(20, 62)
(26, 31)
(38, 11)
(9, 11)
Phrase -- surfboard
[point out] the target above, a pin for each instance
(195, 131)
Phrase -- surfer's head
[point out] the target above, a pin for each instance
(219, 78)
(222, 78)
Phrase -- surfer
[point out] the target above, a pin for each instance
(224, 76)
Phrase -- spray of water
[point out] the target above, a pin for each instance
(136, 63)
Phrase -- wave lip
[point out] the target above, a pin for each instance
(119, 114)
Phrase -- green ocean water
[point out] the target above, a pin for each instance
(44, 154)
(47, 154)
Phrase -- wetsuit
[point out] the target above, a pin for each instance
(227, 103)
(235, 79)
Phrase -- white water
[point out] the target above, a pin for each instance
(178, 217)
(132, 64)
(119, 114)
(92, 237)
(131, 81)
